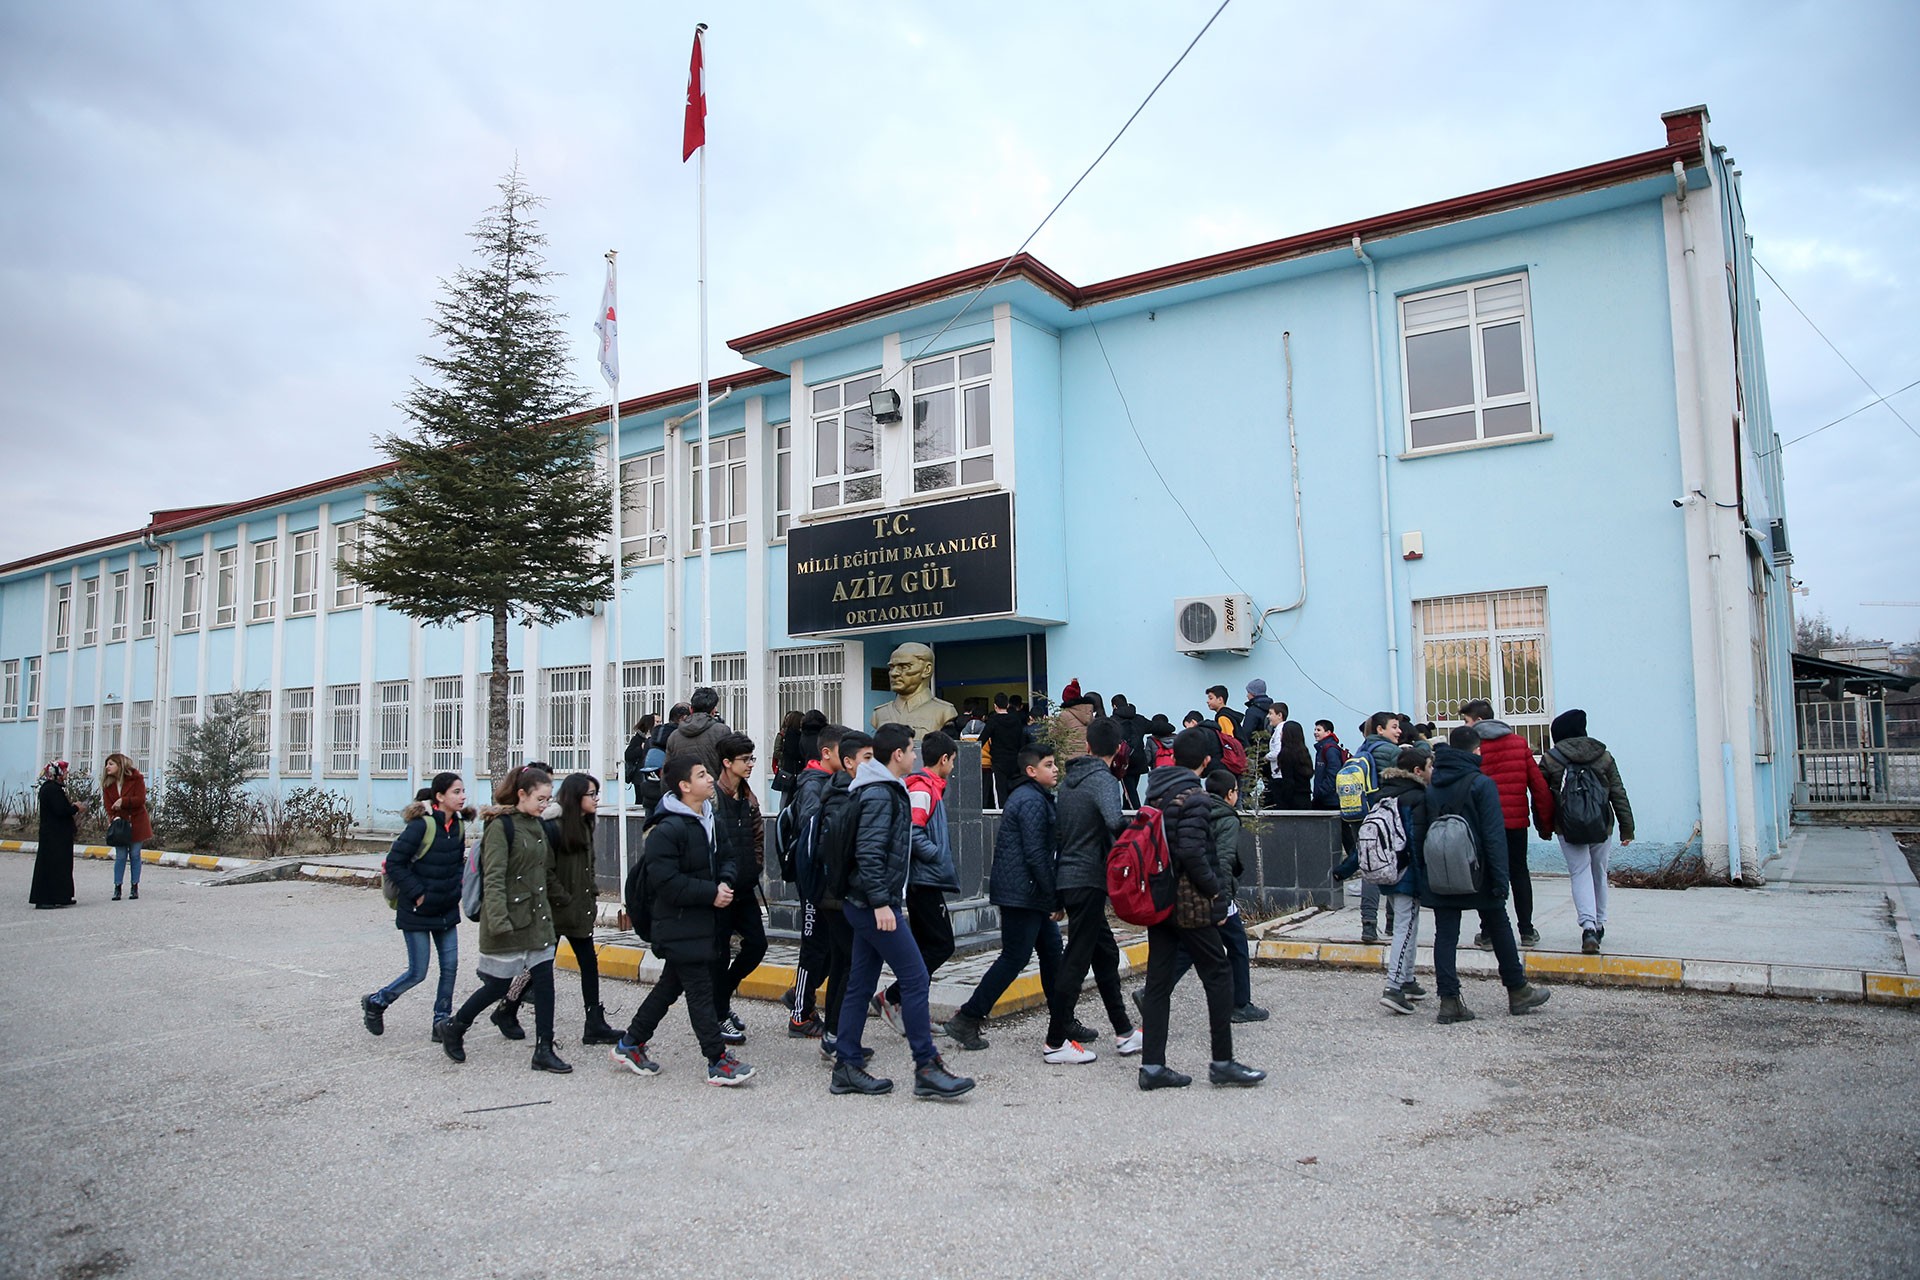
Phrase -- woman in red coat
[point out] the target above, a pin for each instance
(123, 794)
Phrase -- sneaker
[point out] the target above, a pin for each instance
(1082, 1032)
(1452, 1010)
(732, 1023)
(1526, 998)
(806, 1028)
(827, 1041)
(1589, 942)
(728, 1071)
(1234, 1073)
(1480, 941)
(1249, 1012)
(1599, 930)
(374, 1014)
(1069, 1054)
(1529, 937)
(1396, 999)
(1129, 1044)
(1152, 1078)
(634, 1058)
(933, 1080)
(1412, 990)
(1369, 935)
(889, 1013)
(787, 998)
(1135, 997)
(965, 1031)
(848, 1078)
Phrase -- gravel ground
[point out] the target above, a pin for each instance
(188, 1091)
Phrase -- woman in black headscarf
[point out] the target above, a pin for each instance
(53, 863)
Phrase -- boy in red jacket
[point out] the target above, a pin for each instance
(1508, 760)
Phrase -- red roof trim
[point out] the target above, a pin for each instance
(67, 553)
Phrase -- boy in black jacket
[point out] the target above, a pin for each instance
(688, 874)
(737, 809)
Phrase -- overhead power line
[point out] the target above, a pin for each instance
(1843, 360)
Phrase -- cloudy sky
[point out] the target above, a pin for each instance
(226, 221)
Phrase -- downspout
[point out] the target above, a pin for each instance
(1711, 515)
(1386, 507)
(1293, 451)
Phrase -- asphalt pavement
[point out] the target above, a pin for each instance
(187, 1090)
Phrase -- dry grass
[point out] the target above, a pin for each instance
(1684, 870)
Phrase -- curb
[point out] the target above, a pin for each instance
(154, 857)
(1720, 977)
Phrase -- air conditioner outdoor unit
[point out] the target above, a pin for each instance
(1213, 624)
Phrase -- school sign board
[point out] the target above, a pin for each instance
(917, 566)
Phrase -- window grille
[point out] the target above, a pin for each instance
(730, 682)
(343, 732)
(55, 731)
(811, 679)
(447, 717)
(112, 728)
(297, 733)
(140, 736)
(186, 714)
(569, 696)
(83, 740)
(394, 699)
(1491, 646)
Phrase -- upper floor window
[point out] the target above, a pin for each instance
(266, 579)
(89, 612)
(953, 421)
(32, 696)
(10, 689)
(192, 582)
(846, 447)
(149, 599)
(726, 495)
(62, 616)
(226, 586)
(117, 610)
(306, 573)
(346, 554)
(782, 478)
(1467, 358)
(643, 506)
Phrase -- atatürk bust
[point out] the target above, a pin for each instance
(910, 675)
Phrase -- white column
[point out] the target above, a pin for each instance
(369, 722)
(277, 678)
(535, 694)
(419, 732)
(242, 606)
(598, 717)
(760, 684)
(323, 605)
(102, 604)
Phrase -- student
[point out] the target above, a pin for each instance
(875, 896)
(1380, 746)
(1587, 861)
(787, 758)
(1297, 768)
(123, 794)
(1274, 725)
(688, 873)
(635, 758)
(737, 810)
(1021, 884)
(1223, 717)
(1156, 745)
(426, 863)
(1508, 760)
(855, 749)
(516, 917)
(1255, 718)
(1404, 785)
(1200, 908)
(815, 952)
(1210, 725)
(1223, 822)
(1005, 733)
(930, 875)
(1133, 727)
(1328, 756)
(1089, 817)
(1458, 787)
(699, 734)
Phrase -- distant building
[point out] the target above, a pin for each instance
(1536, 464)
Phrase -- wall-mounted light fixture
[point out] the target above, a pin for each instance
(884, 404)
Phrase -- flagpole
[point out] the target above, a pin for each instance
(618, 691)
(706, 438)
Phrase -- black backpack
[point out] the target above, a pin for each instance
(1582, 806)
(639, 908)
(834, 851)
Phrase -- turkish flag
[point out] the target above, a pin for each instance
(694, 135)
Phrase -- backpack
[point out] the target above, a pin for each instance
(1162, 752)
(647, 788)
(786, 838)
(472, 885)
(1582, 807)
(839, 832)
(1381, 843)
(1140, 870)
(1451, 857)
(634, 894)
(1353, 784)
(1233, 756)
(389, 887)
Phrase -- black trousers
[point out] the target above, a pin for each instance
(695, 978)
(492, 989)
(589, 961)
(932, 932)
(1209, 956)
(839, 960)
(1090, 944)
(1520, 878)
(987, 800)
(811, 969)
(741, 916)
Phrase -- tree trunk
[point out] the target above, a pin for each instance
(497, 762)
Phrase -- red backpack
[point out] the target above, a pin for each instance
(1140, 870)
(1233, 756)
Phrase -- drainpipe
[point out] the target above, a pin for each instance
(1386, 508)
(1710, 513)
(1299, 528)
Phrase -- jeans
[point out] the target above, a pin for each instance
(1521, 879)
(1587, 869)
(932, 930)
(695, 978)
(447, 943)
(1165, 942)
(1234, 935)
(742, 916)
(1090, 943)
(493, 989)
(1446, 940)
(1406, 938)
(895, 949)
(121, 857)
(815, 959)
(1022, 932)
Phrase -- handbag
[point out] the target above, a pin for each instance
(120, 834)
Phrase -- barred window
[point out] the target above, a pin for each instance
(394, 700)
(262, 732)
(447, 718)
(569, 695)
(140, 736)
(112, 726)
(1491, 646)
(55, 730)
(343, 729)
(643, 690)
(83, 740)
(811, 679)
(296, 734)
(186, 714)
(729, 681)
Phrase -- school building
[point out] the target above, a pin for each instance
(1515, 444)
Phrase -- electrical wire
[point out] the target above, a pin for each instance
(1836, 350)
(1843, 417)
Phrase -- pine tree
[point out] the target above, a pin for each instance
(497, 506)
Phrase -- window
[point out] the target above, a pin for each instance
(296, 733)
(394, 700)
(447, 718)
(810, 680)
(32, 708)
(262, 726)
(729, 681)
(191, 581)
(62, 616)
(1762, 679)
(89, 612)
(140, 736)
(306, 573)
(186, 714)
(82, 739)
(112, 725)
(343, 729)
(726, 495)
(846, 448)
(569, 718)
(10, 689)
(149, 599)
(643, 506)
(782, 478)
(266, 579)
(643, 689)
(346, 555)
(1491, 646)
(953, 421)
(56, 734)
(226, 586)
(1467, 360)
(117, 615)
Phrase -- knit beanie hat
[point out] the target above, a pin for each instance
(1569, 724)
(1256, 688)
(1072, 690)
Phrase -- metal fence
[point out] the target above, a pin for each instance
(1845, 758)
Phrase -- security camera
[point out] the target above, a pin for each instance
(1681, 501)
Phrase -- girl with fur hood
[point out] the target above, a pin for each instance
(425, 864)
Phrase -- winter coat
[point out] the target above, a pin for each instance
(1594, 754)
(636, 756)
(571, 888)
(808, 798)
(1223, 833)
(128, 799)
(53, 863)
(1024, 850)
(1326, 767)
(746, 835)
(1508, 760)
(699, 736)
(515, 912)
(1088, 817)
(1226, 721)
(932, 846)
(787, 757)
(1254, 720)
(684, 873)
(1187, 818)
(882, 839)
(1070, 729)
(1127, 718)
(427, 864)
(1384, 755)
(841, 781)
(1459, 787)
(1397, 786)
(1006, 733)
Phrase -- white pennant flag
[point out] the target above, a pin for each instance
(609, 341)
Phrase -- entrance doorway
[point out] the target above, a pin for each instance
(967, 671)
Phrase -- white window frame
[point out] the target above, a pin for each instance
(62, 621)
(149, 599)
(226, 586)
(731, 684)
(80, 723)
(962, 454)
(567, 694)
(781, 435)
(1477, 327)
(347, 538)
(53, 734)
(344, 714)
(393, 728)
(730, 471)
(89, 612)
(643, 690)
(193, 584)
(447, 722)
(811, 679)
(113, 716)
(30, 699)
(1441, 627)
(304, 583)
(186, 714)
(265, 560)
(834, 418)
(118, 606)
(643, 501)
(296, 732)
(140, 735)
(10, 689)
